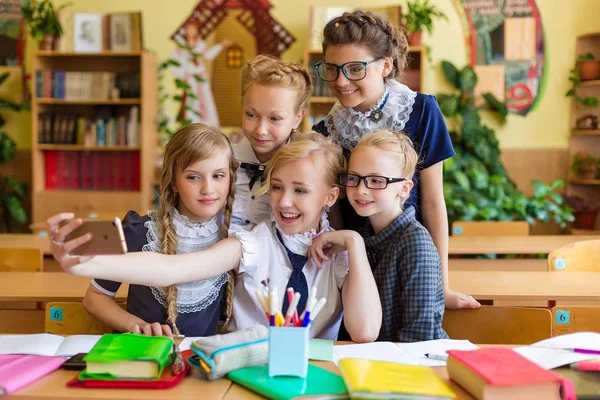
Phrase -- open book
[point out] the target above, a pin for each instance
(46, 344)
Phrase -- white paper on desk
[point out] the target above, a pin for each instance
(377, 351)
(77, 344)
(552, 358)
(43, 344)
(581, 340)
(186, 343)
(417, 350)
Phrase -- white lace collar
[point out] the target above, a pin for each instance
(298, 243)
(191, 237)
(347, 126)
(186, 228)
(361, 116)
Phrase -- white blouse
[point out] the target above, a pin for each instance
(263, 257)
(249, 209)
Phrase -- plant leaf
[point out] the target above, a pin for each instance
(13, 204)
(451, 73)
(17, 186)
(467, 79)
(7, 147)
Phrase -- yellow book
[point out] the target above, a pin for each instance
(367, 379)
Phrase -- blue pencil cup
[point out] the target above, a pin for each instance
(288, 351)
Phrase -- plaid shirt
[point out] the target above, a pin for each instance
(407, 269)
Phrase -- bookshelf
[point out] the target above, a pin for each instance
(322, 100)
(585, 139)
(115, 174)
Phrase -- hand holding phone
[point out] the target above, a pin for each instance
(107, 237)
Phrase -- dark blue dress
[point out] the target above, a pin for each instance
(141, 301)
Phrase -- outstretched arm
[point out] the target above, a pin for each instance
(142, 268)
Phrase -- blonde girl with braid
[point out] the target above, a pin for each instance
(365, 57)
(302, 180)
(274, 98)
(196, 201)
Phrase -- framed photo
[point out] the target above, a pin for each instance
(120, 32)
(87, 33)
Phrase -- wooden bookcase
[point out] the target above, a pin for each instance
(49, 201)
(585, 139)
(322, 100)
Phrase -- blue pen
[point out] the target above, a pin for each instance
(306, 319)
(436, 356)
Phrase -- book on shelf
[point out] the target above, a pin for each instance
(74, 85)
(92, 170)
(501, 373)
(105, 126)
(118, 32)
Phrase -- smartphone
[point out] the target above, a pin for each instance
(75, 363)
(107, 237)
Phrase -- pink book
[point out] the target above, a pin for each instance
(17, 371)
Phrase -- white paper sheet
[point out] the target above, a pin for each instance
(378, 351)
(77, 344)
(552, 358)
(417, 350)
(582, 340)
(43, 344)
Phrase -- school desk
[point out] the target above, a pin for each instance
(527, 285)
(535, 244)
(25, 241)
(46, 286)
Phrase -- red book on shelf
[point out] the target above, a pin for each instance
(63, 170)
(135, 171)
(51, 162)
(109, 170)
(87, 169)
(98, 170)
(501, 373)
(75, 177)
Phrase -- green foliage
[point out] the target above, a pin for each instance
(476, 185)
(41, 17)
(588, 101)
(586, 56)
(12, 191)
(420, 16)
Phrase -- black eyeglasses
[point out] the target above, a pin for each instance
(353, 70)
(371, 181)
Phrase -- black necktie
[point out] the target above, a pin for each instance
(297, 279)
(254, 172)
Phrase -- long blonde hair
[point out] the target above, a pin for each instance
(398, 145)
(308, 144)
(193, 143)
(270, 71)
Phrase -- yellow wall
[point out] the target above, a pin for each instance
(546, 127)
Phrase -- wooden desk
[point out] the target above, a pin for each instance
(535, 244)
(46, 286)
(53, 386)
(25, 241)
(527, 285)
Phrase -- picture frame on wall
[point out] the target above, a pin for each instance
(87, 33)
(121, 32)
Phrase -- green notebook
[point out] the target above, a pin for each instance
(319, 384)
(127, 356)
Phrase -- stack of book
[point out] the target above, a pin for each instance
(73, 85)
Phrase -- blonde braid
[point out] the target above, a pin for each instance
(233, 167)
(169, 246)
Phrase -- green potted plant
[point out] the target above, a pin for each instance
(420, 16)
(42, 20)
(589, 67)
(588, 101)
(585, 165)
(12, 191)
(585, 213)
(476, 185)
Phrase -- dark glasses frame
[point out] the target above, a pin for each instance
(343, 69)
(344, 180)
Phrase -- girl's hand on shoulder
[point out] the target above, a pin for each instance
(153, 329)
(60, 250)
(327, 244)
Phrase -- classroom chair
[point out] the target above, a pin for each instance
(570, 319)
(71, 318)
(490, 228)
(499, 325)
(583, 256)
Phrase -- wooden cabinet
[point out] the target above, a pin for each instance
(136, 158)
